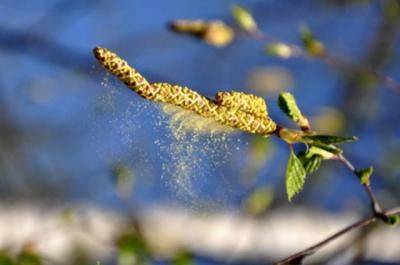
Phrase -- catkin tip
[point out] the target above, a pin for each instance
(99, 51)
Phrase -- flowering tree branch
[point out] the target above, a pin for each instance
(249, 113)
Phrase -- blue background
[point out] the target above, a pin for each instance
(65, 124)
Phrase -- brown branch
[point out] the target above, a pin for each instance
(375, 206)
(377, 214)
(297, 257)
(311, 250)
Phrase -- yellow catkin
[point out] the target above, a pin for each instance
(248, 114)
(242, 101)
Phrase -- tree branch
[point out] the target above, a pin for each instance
(377, 212)
(375, 206)
(311, 250)
(333, 60)
(297, 257)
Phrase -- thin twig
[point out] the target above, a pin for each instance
(344, 65)
(375, 206)
(311, 250)
(332, 60)
(377, 214)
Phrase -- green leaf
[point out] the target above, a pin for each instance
(310, 43)
(325, 155)
(307, 36)
(279, 49)
(364, 174)
(328, 147)
(330, 139)
(288, 105)
(295, 175)
(244, 18)
(311, 163)
(392, 220)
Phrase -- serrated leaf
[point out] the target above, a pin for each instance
(330, 139)
(364, 174)
(311, 163)
(295, 175)
(244, 18)
(288, 105)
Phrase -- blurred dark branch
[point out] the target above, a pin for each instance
(19, 177)
(360, 92)
(345, 66)
(46, 49)
(13, 158)
(382, 46)
(377, 56)
(51, 19)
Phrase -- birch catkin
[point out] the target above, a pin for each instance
(235, 109)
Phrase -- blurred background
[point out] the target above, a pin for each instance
(90, 172)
